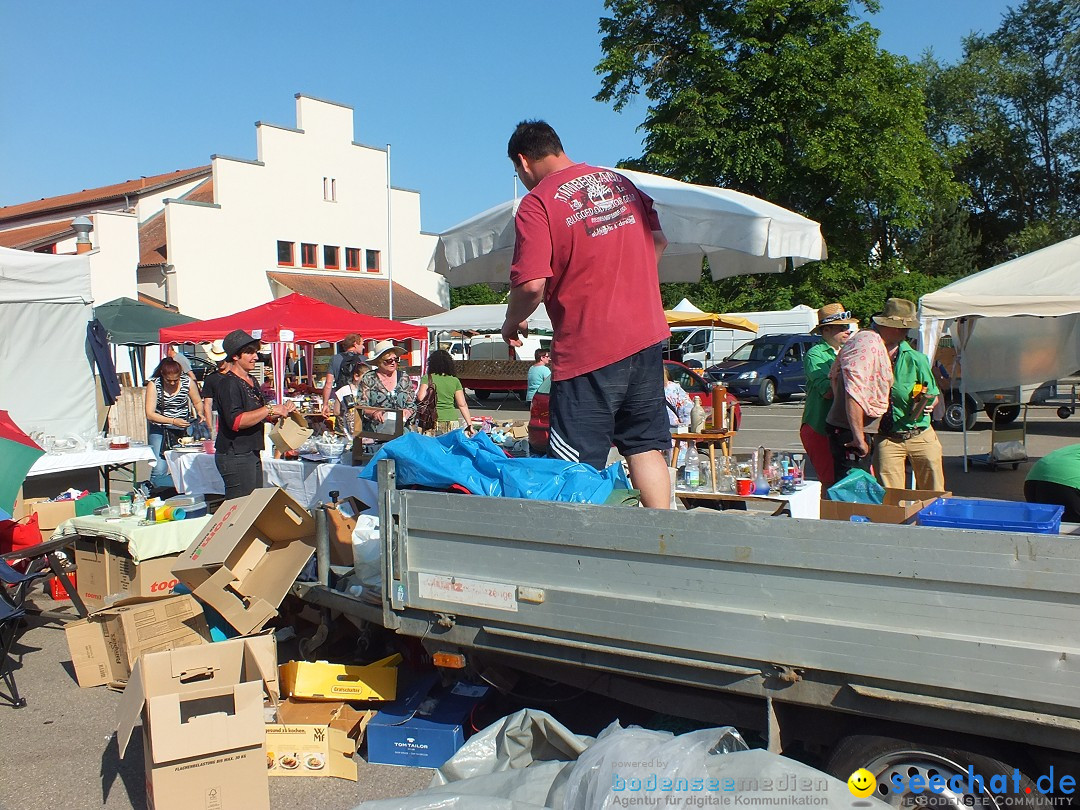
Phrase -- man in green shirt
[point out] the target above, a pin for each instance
(910, 438)
(833, 325)
(1055, 478)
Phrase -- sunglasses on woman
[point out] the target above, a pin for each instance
(390, 360)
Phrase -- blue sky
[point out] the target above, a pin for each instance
(93, 96)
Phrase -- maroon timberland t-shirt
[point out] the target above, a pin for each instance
(589, 232)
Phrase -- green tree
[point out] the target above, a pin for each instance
(475, 294)
(788, 100)
(1006, 117)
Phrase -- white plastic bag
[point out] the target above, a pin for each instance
(367, 551)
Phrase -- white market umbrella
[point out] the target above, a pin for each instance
(479, 318)
(739, 234)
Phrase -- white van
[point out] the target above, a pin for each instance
(493, 347)
(707, 346)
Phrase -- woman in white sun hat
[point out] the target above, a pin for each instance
(386, 387)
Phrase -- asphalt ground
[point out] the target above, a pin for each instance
(60, 750)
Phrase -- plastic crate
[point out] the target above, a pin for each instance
(998, 516)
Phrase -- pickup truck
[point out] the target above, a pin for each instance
(905, 650)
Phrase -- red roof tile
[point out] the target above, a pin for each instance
(101, 194)
(152, 246)
(369, 296)
(35, 235)
(203, 193)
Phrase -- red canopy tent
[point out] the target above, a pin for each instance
(294, 319)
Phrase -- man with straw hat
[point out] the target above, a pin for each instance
(216, 352)
(834, 321)
(908, 436)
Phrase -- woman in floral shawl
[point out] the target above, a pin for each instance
(386, 387)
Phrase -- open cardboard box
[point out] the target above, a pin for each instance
(342, 522)
(320, 680)
(247, 558)
(105, 646)
(203, 725)
(393, 427)
(315, 739)
(898, 506)
(290, 433)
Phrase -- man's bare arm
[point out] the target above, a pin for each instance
(524, 299)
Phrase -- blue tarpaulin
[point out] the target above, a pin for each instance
(480, 466)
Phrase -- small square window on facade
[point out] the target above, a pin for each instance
(352, 259)
(330, 257)
(285, 253)
(372, 261)
(307, 255)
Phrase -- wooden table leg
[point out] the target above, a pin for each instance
(712, 465)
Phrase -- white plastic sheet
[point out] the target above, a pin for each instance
(530, 761)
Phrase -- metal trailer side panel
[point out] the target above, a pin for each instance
(987, 618)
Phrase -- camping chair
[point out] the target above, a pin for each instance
(12, 595)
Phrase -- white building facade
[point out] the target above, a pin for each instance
(313, 213)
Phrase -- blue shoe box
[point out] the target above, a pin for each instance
(425, 726)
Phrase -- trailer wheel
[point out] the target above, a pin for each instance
(1064, 412)
(1002, 414)
(956, 414)
(482, 395)
(889, 758)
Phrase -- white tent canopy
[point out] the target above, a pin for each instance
(739, 234)
(46, 376)
(479, 318)
(1018, 322)
(685, 306)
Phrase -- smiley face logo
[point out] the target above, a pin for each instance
(861, 783)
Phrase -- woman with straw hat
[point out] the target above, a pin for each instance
(386, 388)
(834, 323)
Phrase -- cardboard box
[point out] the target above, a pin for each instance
(290, 433)
(50, 513)
(342, 522)
(203, 731)
(105, 646)
(315, 739)
(320, 680)
(106, 572)
(889, 511)
(247, 558)
(424, 727)
(519, 431)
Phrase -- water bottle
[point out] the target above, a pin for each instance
(692, 476)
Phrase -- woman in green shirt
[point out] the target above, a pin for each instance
(449, 395)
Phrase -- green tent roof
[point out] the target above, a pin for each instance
(130, 322)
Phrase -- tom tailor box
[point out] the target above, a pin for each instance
(203, 725)
(898, 506)
(424, 727)
(246, 559)
(105, 646)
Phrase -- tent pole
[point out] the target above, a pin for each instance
(961, 329)
(389, 238)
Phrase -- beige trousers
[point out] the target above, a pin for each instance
(924, 453)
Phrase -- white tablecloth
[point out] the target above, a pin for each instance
(62, 462)
(144, 542)
(309, 483)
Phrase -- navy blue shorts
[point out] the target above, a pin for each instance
(622, 403)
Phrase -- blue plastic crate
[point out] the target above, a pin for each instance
(998, 516)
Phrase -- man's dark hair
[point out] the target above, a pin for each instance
(440, 362)
(534, 140)
(349, 341)
(540, 353)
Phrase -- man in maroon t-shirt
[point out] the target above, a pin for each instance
(588, 243)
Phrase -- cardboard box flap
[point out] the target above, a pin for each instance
(130, 709)
(90, 654)
(188, 725)
(260, 656)
(245, 614)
